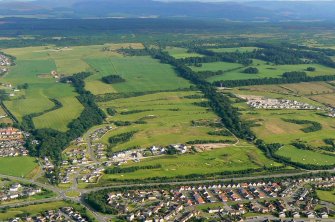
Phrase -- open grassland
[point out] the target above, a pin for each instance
(180, 53)
(215, 161)
(328, 196)
(216, 66)
(306, 156)
(168, 118)
(327, 99)
(142, 73)
(69, 60)
(236, 49)
(271, 70)
(17, 166)
(309, 88)
(60, 118)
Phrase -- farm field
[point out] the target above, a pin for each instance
(34, 65)
(17, 166)
(231, 158)
(327, 99)
(240, 49)
(216, 66)
(144, 74)
(168, 119)
(180, 53)
(271, 70)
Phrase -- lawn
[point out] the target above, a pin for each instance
(271, 70)
(218, 160)
(168, 119)
(180, 53)
(328, 196)
(17, 166)
(142, 73)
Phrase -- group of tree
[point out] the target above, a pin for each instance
(52, 142)
(112, 79)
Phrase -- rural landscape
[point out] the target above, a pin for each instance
(127, 116)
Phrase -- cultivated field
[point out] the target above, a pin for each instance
(271, 70)
(180, 53)
(144, 74)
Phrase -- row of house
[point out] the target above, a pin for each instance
(16, 190)
(12, 143)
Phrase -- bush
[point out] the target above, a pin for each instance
(251, 70)
(112, 79)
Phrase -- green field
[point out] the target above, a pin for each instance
(60, 118)
(269, 70)
(328, 196)
(218, 160)
(306, 156)
(142, 73)
(216, 66)
(34, 209)
(180, 53)
(34, 66)
(168, 119)
(17, 166)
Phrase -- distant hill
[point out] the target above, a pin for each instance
(236, 11)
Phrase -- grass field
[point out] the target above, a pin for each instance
(34, 209)
(168, 119)
(60, 118)
(239, 49)
(270, 70)
(216, 66)
(218, 160)
(17, 166)
(273, 129)
(328, 196)
(144, 74)
(180, 53)
(306, 156)
(34, 65)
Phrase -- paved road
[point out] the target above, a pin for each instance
(88, 190)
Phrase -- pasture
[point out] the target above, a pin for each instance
(232, 158)
(268, 70)
(142, 73)
(180, 53)
(216, 66)
(17, 166)
(34, 66)
(236, 49)
(168, 119)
